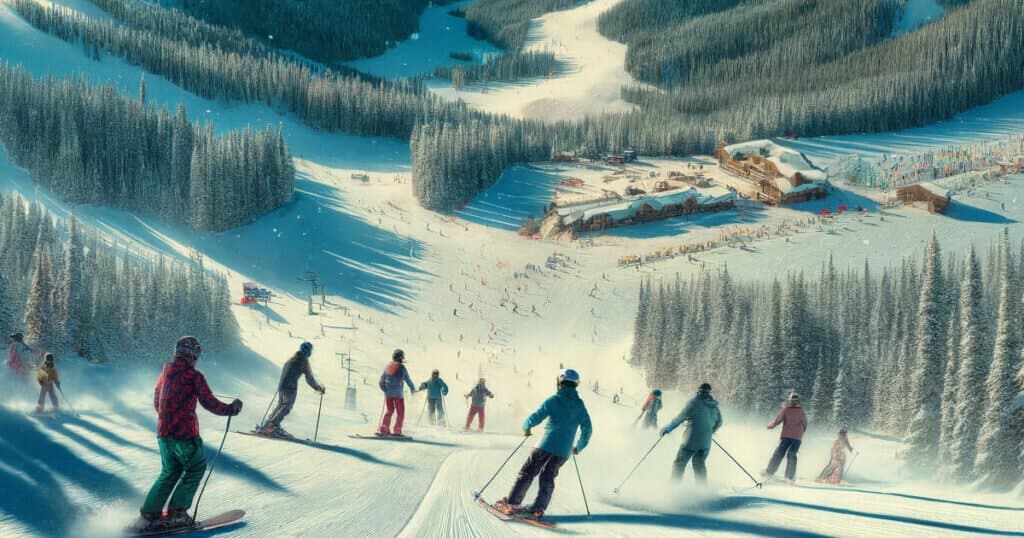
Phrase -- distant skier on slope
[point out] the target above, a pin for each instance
(650, 409)
(704, 418)
(565, 413)
(794, 424)
(833, 471)
(478, 400)
(182, 455)
(19, 354)
(394, 393)
(436, 389)
(46, 375)
(288, 389)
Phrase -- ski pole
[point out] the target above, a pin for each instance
(756, 483)
(424, 410)
(616, 490)
(477, 494)
(213, 462)
(853, 459)
(583, 491)
(73, 412)
(444, 413)
(316, 429)
(263, 421)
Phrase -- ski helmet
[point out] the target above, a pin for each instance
(48, 357)
(705, 387)
(306, 348)
(435, 373)
(188, 348)
(398, 355)
(657, 392)
(568, 375)
(17, 337)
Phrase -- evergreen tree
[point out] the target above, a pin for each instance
(973, 369)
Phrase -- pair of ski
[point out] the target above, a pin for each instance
(311, 442)
(522, 517)
(223, 520)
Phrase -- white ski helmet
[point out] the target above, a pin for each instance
(570, 375)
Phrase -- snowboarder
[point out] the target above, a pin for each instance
(565, 412)
(794, 424)
(18, 354)
(704, 419)
(833, 471)
(651, 408)
(288, 389)
(46, 375)
(436, 389)
(394, 394)
(182, 455)
(478, 396)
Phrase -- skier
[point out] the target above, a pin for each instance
(479, 395)
(46, 375)
(565, 412)
(794, 424)
(833, 471)
(182, 455)
(288, 389)
(651, 408)
(394, 393)
(436, 389)
(18, 354)
(704, 419)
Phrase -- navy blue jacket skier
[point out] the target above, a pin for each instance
(565, 413)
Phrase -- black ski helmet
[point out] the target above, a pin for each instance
(705, 387)
(398, 355)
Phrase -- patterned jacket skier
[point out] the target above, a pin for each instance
(565, 412)
(391, 380)
(47, 373)
(174, 398)
(296, 366)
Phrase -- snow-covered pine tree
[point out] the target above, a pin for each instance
(39, 319)
(999, 442)
(950, 383)
(640, 322)
(75, 293)
(770, 391)
(842, 412)
(973, 369)
(922, 436)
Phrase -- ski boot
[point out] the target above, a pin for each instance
(146, 522)
(38, 410)
(505, 508)
(178, 518)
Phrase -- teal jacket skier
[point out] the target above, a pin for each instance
(565, 414)
(436, 389)
(703, 418)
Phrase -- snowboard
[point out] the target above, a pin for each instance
(382, 437)
(520, 517)
(222, 520)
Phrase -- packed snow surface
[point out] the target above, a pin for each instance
(400, 276)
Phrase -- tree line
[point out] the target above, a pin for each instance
(501, 68)
(932, 353)
(89, 145)
(67, 287)
(505, 22)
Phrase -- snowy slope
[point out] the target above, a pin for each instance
(399, 276)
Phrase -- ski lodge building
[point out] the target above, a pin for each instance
(926, 194)
(774, 175)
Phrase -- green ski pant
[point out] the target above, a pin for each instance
(184, 461)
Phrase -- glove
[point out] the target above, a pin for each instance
(236, 407)
(527, 432)
(575, 451)
(58, 384)
(323, 389)
(665, 431)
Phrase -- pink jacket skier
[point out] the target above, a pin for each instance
(794, 424)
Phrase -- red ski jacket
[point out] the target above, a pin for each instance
(174, 398)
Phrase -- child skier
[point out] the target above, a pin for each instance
(833, 472)
(478, 399)
(182, 455)
(565, 412)
(46, 375)
(651, 408)
(794, 424)
(288, 389)
(18, 354)
(704, 419)
(436, 389)
(394, 393)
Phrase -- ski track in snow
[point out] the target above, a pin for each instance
(388, 271)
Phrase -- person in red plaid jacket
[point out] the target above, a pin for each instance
(181, 448)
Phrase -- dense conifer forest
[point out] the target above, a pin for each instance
(502, 68)
(88, 144)
(931, 352)
(505, 22)
(70, 287)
